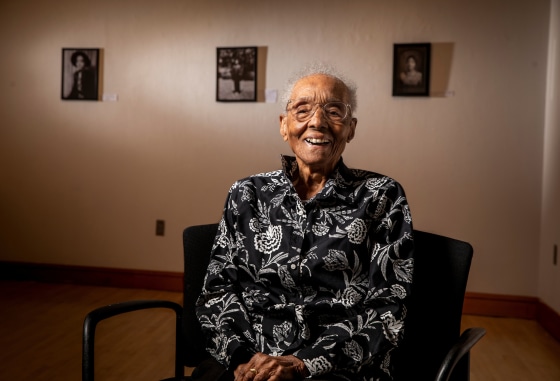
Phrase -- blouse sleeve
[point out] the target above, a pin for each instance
(369, 337)
(222, 315)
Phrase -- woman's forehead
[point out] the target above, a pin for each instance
(319, 86)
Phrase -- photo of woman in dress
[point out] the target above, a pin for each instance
(79, 78)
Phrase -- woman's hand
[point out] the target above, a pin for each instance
(263, 367)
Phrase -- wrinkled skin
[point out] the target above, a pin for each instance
(317, 143)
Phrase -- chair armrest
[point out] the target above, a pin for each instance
(94, 317)
(463, 345)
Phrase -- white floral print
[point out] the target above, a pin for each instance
(357, 231)
(326, 280)
(269, 241)
(336, 260)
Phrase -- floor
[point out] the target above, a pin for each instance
(41, 323)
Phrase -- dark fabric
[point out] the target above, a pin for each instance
(240, 356)
(84, 85)
(211, 370)
(324, 279)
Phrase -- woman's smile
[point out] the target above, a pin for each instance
(317, 141)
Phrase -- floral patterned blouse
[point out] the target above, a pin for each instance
(325, 279)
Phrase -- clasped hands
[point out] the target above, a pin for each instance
(263, 367)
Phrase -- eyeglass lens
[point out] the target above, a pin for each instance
(334, 111)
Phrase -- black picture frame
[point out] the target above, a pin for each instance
(411, 69)
(80, 74)
(236, 74)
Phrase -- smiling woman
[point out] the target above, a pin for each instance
(291, 289)
(317, 125)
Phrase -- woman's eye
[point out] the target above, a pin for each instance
(334, 112)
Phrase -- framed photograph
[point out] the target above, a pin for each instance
(80, 74)
(411, 69)
(236, 74)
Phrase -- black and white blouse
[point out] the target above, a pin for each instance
(325, 279)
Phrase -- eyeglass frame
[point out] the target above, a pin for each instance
(322, 105)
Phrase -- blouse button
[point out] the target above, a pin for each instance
(293, 266)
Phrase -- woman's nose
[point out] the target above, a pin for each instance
(318, 118)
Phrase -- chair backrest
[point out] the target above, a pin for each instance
(434, 314)
(433, 324)
(197, 245)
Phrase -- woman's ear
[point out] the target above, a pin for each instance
(284, 127)
(352, 127)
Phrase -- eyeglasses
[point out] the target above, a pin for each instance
(302, 111)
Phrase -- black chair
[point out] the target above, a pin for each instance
(432, 349)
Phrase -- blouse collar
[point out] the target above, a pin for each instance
(336, 185)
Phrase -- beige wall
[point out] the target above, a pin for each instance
(82, 183)
(549, 275)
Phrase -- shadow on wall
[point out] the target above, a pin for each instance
(262, 52)
(442, 58)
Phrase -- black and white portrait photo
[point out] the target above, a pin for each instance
(411, 69)
(236, 74)
(80, 72)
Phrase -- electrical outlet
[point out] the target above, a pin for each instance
(160, 227)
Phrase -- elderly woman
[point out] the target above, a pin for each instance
(312, 264)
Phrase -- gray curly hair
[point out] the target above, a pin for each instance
(325, 69)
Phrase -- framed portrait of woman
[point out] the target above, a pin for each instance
(80, 74)
(236, 74)
(411, 69)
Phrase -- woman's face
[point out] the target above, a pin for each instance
(317, 143)
(80, 63)
(411, 63)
